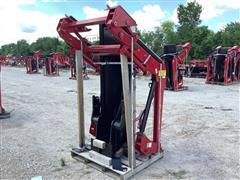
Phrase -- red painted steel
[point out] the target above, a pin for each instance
(30, 60)
(122, 27)
(197, 68)
(177, 65)
(231, 57)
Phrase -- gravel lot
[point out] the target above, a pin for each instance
(200, 133)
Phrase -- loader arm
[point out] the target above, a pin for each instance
(123, 29)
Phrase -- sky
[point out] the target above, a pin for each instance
(31, 19)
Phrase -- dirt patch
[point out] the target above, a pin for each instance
(200, 135)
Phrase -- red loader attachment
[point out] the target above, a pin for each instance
(115, 136)
(3, 60)
(73, 71)
(73, 68)
(221, 64)
(12, 60)
(237, 66)
(32, 64)
(174, 65)
(197, 68)
(51, 65)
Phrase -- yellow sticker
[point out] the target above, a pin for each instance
(162, 73)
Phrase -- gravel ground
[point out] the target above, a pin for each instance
(200, 133)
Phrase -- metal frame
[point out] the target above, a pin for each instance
(237, 66)
(231, 56)
(49, 63)
(120, 25)
(200, 66)
(177, 59)
(81, 153)
(29, 60)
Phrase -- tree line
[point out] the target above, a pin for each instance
(46, 45)
(203, 40)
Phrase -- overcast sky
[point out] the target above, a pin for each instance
(31, 19)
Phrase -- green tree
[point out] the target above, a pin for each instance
(229, 36)
(22, 48)
(170, 36)
(63, 48)
(189, 14)
(46, 45)
(9, 49)
(153, 39)
(188, 18)
(202, 42)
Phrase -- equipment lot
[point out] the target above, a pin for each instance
(200, 134)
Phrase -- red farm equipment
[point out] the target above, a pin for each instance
(73, 71)
(63, 62)
(32, 64)
(237, 66)
(3, 60)
(12, 60)
(3, 113)
(56, 61)
(197, 68)
(220, 67)
(51, 65)
(71, 52)
(117, 144)
(174, 64)
(16, 61)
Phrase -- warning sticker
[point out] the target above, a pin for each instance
(162, 73)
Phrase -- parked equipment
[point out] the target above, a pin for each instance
(237, 66)
(197, 68)
(174, 65)
(32, 64)
(51, 65)
(117, 146)
(3, 114)
(73, 71)
(220, 67)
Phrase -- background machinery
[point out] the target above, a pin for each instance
(32, 63)
(197, 68)
(71, 52)
(73, 70)
(117, 145)
(174, 65)
(221, 64)
(51, 65)
(237, 66)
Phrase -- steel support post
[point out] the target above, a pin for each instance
(37, 64)
(80, 97)
(128, 110)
